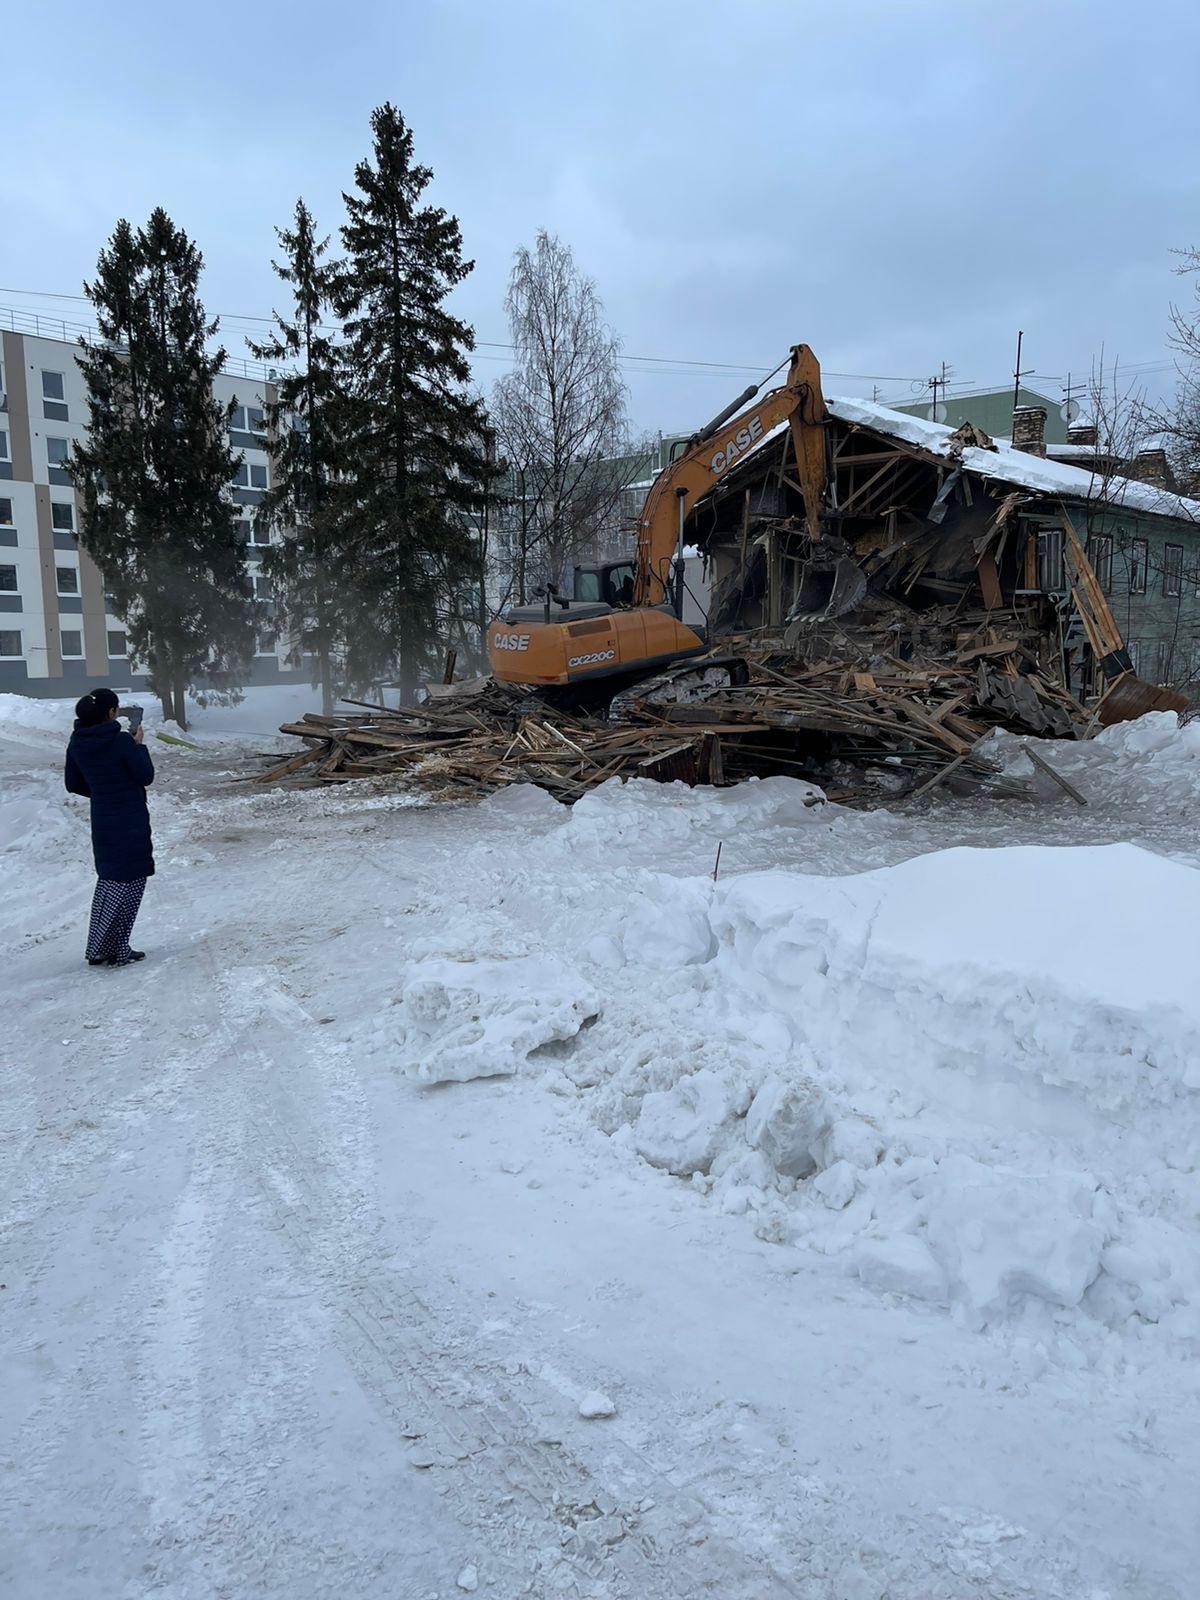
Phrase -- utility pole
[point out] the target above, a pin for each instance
(1017, 372)
(939, 381)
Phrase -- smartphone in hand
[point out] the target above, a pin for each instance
(132, 715)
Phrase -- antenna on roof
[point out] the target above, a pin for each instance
(1069, 409)
(937, 411)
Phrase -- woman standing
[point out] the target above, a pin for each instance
(113, 770)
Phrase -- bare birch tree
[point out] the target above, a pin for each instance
(559, 418)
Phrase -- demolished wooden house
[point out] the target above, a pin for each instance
(955, 584)
(947, 545)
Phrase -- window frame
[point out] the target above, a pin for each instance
(1139, 576)
(62, 505)
(1172, 572)
(250, 468)
(1050, 552)
(11, 655)
(70, 655)
(49, 372)
(256, 430)
(123, 653)
(72, 594)
(5, 446)
(66, 455)
(15, 586)
(1100, 555)
(6, 517)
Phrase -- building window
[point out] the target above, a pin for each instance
(54, 396)
(8, 580)
(1050, 561)
(68, 579)
(6, 514)
(266, 644)
(4, 455)
(263, 587)
(249, 476)
(10, 642)
(1163, 662)
(1100, 552)
(1173, 570)
(247, 419)
(72, 642)
(253, 532)
(57, 451)
(1139, 564)
(62, 516)
(118, 645)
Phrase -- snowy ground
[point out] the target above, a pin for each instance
(860, 1186)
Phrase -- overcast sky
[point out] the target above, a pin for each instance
(894, 182)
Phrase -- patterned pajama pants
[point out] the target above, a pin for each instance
(114, 910)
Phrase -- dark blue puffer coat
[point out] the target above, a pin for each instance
(108, 766)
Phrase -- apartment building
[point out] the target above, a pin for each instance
(58, 633)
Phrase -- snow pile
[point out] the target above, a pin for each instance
(916, 1068)
(38, 822)
(977, 1102)
(459, 1019)
(1155, 760)
(612, 817)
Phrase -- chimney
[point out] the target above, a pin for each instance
(1082, 433)
(1029, 429)
(1150, 466)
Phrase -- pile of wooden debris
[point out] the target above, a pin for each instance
(863, 714)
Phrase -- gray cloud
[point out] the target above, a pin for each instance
(897, 182)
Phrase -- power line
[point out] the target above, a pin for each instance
(679, 365)
(674, 366)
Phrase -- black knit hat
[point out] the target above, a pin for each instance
(94, 708)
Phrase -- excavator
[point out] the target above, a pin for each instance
(625, 622)
(625, 625)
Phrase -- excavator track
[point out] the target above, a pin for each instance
(689, 683)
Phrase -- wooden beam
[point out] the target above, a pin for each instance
(989, 581)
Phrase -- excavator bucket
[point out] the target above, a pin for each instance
(829, 588)
(1130, 697)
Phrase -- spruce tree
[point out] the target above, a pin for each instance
(155, 470)
(414, 439)
(303, 425)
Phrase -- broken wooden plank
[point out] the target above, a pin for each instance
(1044, 765)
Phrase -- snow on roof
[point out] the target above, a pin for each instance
(1006, 465)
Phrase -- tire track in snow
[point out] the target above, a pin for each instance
(546, 1519)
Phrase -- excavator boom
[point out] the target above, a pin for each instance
(710, 454)
(569, 644)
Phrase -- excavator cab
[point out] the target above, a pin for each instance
(608, 583)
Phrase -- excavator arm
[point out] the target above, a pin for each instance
(711, 453)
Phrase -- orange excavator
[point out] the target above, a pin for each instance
(625, 621)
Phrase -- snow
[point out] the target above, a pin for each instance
(484, 1198)
(1017, 467)
(595, 1405)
